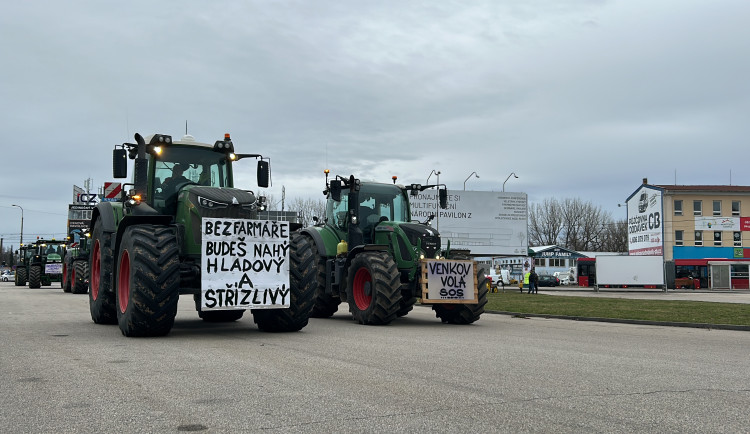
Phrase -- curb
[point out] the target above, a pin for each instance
(626, 321)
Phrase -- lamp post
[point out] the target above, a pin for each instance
(437, 212)
(506, 179)
(21, 222)
(467, 178)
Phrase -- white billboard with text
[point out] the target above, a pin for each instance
(485, 222)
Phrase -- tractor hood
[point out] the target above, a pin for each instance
(430, 237)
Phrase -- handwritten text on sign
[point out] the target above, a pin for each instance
(244, 264)
(450, 280)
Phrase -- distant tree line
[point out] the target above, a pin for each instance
(576, 225)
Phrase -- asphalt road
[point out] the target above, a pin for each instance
(63, 373)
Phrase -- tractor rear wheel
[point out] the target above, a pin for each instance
(21, 276)
(79, 276)
(148, 280)
(101, 296)
(373, 288)
(35, 276)
(66, 276)
(216, 315)
(465, 313)
(324, 305)
(302, 272)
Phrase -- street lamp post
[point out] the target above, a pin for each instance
(21, 221)
(467, 178)
(437, 212)
(506, 179)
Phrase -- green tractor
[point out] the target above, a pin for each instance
(76, 264)
(25, 255)
(46, 262)
(371, 255)
(154, 244)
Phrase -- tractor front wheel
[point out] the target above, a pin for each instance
(101, 296)
(373, 288)
(301, 289)
(35, 276)
(79, 277)
(21, 276)
(148, 280)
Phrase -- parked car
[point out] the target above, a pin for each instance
(7, 276)
(548, 280)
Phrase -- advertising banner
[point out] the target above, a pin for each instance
(645, 228)
(487, 223)
(717, 224)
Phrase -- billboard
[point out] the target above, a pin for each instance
(487, 223)
(645, 228)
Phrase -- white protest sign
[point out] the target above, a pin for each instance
(55, 268)
(449, 280)
(244, 264)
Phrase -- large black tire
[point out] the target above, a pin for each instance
(405, 305)
(35, 276)
(324, 305)
(101, 295)
(21, 276)
(373, 288)
(67, 271)
(465, 313)
(80, 277)
(148, 280)
(301, 289)
(216, 315)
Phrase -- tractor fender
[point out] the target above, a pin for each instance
(133, 219)
(363, 248)
(318, 239)
(104, 211)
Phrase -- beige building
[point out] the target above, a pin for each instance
(698, 227)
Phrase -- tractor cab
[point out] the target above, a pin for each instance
(376, 203)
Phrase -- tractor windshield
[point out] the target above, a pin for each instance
(197, 165)
(382, 200)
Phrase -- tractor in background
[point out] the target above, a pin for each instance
(76, 264)
(371, 255)
(45, 263)
(25, 253)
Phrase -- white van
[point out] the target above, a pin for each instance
(495, 277)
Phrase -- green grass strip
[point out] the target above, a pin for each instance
(621, 308)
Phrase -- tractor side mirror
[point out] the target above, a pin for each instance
(119, 163)
(335, 186)
(263, 173)
(443, 196)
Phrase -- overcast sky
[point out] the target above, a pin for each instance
(580, 98)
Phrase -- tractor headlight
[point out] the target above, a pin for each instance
(210, 204)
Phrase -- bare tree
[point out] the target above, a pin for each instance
(307, 209)
(545, 222)
(576, 225)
